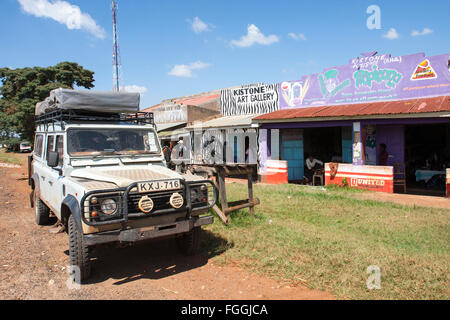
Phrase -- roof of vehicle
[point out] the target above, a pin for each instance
(92, 101)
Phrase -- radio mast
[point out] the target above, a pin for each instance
(117, 64)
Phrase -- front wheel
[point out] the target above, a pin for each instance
(41, 211)
(189, 243)
(79, 253)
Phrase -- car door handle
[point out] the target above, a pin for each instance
(50, 183)
(43, 178)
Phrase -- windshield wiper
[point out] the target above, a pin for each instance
(134, 153)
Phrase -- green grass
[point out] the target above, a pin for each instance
(9, 157)
(325, 239)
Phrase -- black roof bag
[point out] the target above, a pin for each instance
(91, 101)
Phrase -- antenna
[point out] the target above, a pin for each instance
(117, 63)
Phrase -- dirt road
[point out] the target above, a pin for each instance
(33, 263)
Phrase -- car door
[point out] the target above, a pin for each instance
(46, 175)
(55, 177)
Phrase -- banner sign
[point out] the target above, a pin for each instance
(249, 99)
(375, 178)
(170, 113)
(370, 78)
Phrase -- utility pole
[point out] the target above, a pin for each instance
(117, 64)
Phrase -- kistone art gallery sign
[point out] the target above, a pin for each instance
(249, 99)
(370, 78)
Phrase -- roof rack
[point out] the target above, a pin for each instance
(62, 116)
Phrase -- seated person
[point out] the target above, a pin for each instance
(383, 157)
(311, 165)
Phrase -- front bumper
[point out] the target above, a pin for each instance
(139, 234)
(126, 196)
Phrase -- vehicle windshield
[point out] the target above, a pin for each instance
(92, 142)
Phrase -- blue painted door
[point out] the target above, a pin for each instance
(347, 149)
(293, 153)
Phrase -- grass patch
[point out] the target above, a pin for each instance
(325, 239)
(9, 157)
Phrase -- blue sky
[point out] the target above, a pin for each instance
(176, 48)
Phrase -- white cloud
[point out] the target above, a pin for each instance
(391, 34)
(297, 36)
(254, 35)
(425, 31)
(64, 13)
(134, 88)
(198, 25)
(185, 70)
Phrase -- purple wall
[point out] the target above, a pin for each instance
(368, 79)
(394, 138)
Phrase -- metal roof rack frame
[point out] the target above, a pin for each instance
(65, 116)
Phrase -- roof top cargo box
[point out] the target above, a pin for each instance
(91, 101)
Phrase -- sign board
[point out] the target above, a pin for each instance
(170, 113)
(249, 99)
(370, 78)
(375, 178)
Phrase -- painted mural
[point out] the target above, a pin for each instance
(249, 99)
(370, 78)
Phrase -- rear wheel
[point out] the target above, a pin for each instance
(79, 253)
(189, 243)
(41, 211)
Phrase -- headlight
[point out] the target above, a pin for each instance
(109, 206)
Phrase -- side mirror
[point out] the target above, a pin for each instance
(53, 159)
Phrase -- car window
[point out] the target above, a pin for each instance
(60, 148)
(38, 145)
(111, 141)
(50, 145)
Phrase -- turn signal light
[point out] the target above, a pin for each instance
(94, 213)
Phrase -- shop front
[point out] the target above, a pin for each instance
(380, 123)
(412, 145)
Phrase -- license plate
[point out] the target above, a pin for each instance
(150, 186)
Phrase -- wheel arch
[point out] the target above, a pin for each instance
(34, 181)
(70, 206)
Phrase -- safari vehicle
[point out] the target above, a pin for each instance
(100, 170)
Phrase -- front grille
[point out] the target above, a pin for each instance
(160, 201)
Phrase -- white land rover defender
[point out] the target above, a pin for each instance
(97, 165)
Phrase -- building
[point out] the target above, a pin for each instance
(172, 115)
(232, 137)
(345, 114)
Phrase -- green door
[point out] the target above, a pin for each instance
(347, 149)
(293, 153)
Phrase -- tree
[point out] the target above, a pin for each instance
(22, 88)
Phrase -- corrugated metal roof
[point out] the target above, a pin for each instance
(150, 109)
(166, 126)
(226, 122)
(413, 106)
(173, 133)
(198, 100)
